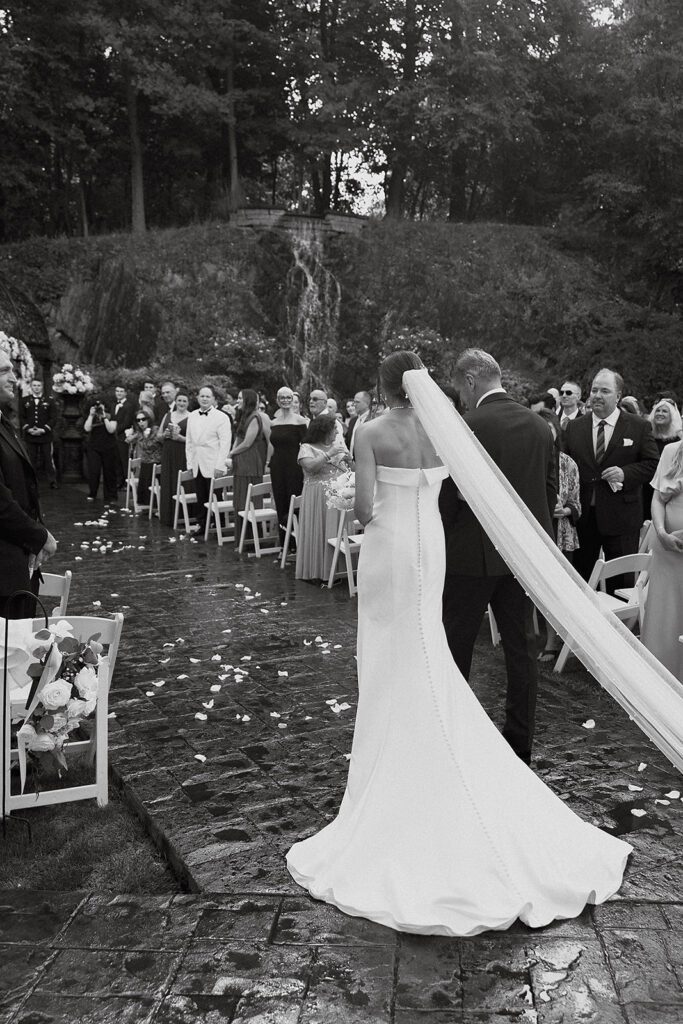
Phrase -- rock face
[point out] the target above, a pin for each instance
(109, 318)
(21, 318)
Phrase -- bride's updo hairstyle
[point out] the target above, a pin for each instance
(391, 373)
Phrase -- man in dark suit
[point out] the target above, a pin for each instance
(362, 401)
(616, 454)
(24, 542)
(38, 417)
(521, 445)
(123, 411)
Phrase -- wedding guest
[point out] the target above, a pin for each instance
(555, 395)
(163, 402)
(362, 404)
(321, 456)
(102, 457)
(296, 406)
(38, 416)
(145, 443)
(631, 404)
(666, 428)
(544, 400)
(570, 399)
(287, 432)
(207, 447)
(24, 541)
(566, 515)
(616, 455)
(249, 453)
(350, 407)
(147, 398)
(124, 413)
(172, 431)
(317, 405)
(663, 621)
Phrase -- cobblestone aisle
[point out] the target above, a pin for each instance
(230, 740)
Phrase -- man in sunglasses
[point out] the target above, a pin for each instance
(570, 396)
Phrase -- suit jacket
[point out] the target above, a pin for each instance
(21, 532)
(41, 413)
(632, 448)
(521, 445)
(125, 417)
(207, 441)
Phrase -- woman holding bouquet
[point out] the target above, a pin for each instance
(321, 457)
(172, 432)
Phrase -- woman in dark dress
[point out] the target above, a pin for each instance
(287, 432)
(248, 456)
(172, 432)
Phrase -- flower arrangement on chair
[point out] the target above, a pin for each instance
(71, 380)
(63, 696)
(340, 491)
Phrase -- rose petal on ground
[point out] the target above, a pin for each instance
(164, 661)
(635, 789)
(333, 700)
(159, 682)
(308, 718)
(150, 693)
(588, 724)
(246, 718)
(637, 812)
(113, 595)
(200, 757)
(337, 647)
(347, 757)
(215, 657)
(183, 676)
(665, 803)
(275, 714)
(282, 673)
(318, 639)
(307, 643)
(226, 631)
(97, 604)
(673, 794)
(282, 725)
(246, 657)
(201, 716)
(195, 661)
(642, 766)
(207, 704)
(216, 688)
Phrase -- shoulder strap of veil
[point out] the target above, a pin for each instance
(646, 690)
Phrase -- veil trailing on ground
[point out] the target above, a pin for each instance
(646, 690)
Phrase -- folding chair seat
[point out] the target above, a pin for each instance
(630, 610)
(263, 520)
(347, 542)
(292, 529)
(219, 509)
(184, 497)
(155, 491)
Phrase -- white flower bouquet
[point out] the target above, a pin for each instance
(340, 491)
(64, 694)
(71, 380)
(21, 357)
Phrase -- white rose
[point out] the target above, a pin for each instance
(37, 741)
(55, 695)
(86, 683)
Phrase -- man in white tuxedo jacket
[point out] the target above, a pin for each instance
(207, 447)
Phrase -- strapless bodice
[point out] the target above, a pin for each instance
(411, 477)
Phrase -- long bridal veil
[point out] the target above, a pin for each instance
(646, 690)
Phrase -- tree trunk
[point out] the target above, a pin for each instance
(83, 209)
(398, 163)
(137, 183)
(237, 197)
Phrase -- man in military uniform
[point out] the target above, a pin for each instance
(38, 419)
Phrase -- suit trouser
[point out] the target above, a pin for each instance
(464, 602)
(123, 449)
(105, 462)
(591, 540)
(42, 459)
(202, 487)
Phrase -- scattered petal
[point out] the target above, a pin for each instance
(208, 704)
(113, 595)
(195, 661)
(665, 803)
(202, 718)
(333, 700)
(275, 714)
(264, 611)
(642, 766)
(318, 639)
(183, 676)
(308, 718)
(215, 657)
(283, 673)
(246, 657)
(635, 789)
(227, 631)
(282, 725)
(246, 718)
(637, 812)
(249, 597)
(179, 640)
(673, 794)
(283, 604)
(589, 723)
(337, 647)
(159, 682)
(347, 757)
(164, 661)
(216, 688)
(545, 998)
(97, 604)
(169, 644)
(307, 643)
(150, 693)
(189, 575)
(200, 757)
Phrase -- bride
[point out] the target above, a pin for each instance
(442, 828)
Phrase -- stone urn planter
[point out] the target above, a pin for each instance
(70, 438)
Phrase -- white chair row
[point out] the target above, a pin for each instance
(133, 487)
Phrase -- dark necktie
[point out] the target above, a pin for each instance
(600, 443)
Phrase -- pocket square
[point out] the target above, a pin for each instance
(628, 441)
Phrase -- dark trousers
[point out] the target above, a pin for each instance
(22, 606)
(464, 602)
(591, 540)
(42, 459)
(202, 486)
(123, 451)
(105, 463)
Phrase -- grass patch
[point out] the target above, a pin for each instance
(83, 846)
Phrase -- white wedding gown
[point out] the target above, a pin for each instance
(442, 829)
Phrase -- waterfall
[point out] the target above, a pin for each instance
(313, 301)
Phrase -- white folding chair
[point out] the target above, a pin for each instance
(155, 491)
(347, 542)
(263, 520)
(132, 481)
(184, 497)
(292, 529)
(96, 748)
(219, 505)
(647, 536)
(629, 611)
(56, 586)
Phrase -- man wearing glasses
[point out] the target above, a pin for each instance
(570, 396)
(317, 404)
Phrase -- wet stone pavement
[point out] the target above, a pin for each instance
(230, 740)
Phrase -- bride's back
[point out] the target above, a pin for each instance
(398, 440)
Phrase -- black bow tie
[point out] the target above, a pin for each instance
(206, 413)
